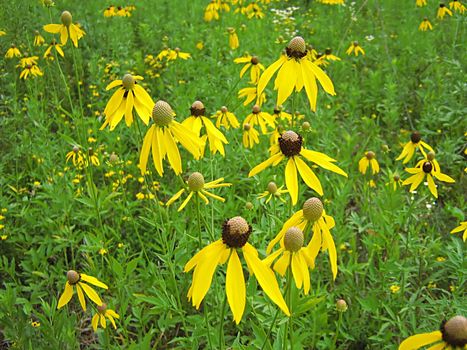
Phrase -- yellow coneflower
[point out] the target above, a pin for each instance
(258, 117)
(280, 115)
(420, 3)
(197, 187)
(251, 94)
(26, 61)
(212, 11)
(38, 39)
(369, 160)
(162, 139)
(226, 119)
(328, 55)
(129, 95)
(295, 71)
(410, 147)
(290, 146)
(253, 10)
(233, 38)
(67, 28)
(92, 157)
(462, 227)
(456, 5)
(292, 254)
(235, 234)
(110, 11)
(273, 191)
(355, 48)
(102, 313)
(332, 2)
(253, 63)
(250, 136)
(442, 11)
(13, 51)
(314, 217)
(197, 120)
(425, 25)
(394, 180)
(172, 55)
(223, 5)
(451, 336)
(428, 167)
(75, 279)
(31, 70)
(54, 45)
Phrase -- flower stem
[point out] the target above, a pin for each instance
(207, 326)
(199, 221)
(339, 322)
(270, 329)
(289, 301)
(221, 325)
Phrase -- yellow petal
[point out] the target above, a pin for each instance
(444, 177)
(322, 77)
(113, 84)
(268, 73)
(94, 322)
(93, 280)
(175, 197)
(53, 28)
(419, 340)
(63, 35)
(322, 160)
(185, 202)
(79, 291)
(129, 108)
(439, 346)
(265, 277)
(291, 180)
(205, 251)
(173, 153)
(73, 34)
(114, 102)
(260, 167)
(294, 220)
(91, 293)
(143, 96)
(308, 176)
(144, 155)
(431, 185)
(235, 287)
(311, 88)
(305, 273)
(66, 296)
(285, 80)
(296, 271)
(187, 138)
(282, 263)
(158, 150)
(329, 241)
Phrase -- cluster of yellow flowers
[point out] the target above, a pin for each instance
(443, 10)
(119, 11)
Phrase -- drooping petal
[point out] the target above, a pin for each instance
(265, 277)
(158, 149)
(66, 296)
(73, 34)
(144, 155)
(117, 115)
(285, 81)
(311, 88)
(129, 108)
(173, 153)
(296, 271)
(329, 241)
(53, 28)
(185, 202)
(114, 102)
(95, 321)
(439, 346)
(363, 164)
(143, 96)
(235, 287)
(175, 197)
(268, 73)
(308, 176)
(432, 185)
(91, 293)
(113, 84)
(282, 263)
(305, 273)
(79, 291)
(205, 251)
(419, 340)
(294, 220)
(322, 160)
(291, 180)
(444, 177)
(63, 35)
(322, 77)
(187, 138)
(260, 167)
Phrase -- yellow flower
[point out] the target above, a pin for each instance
(429, 167)
(100, 316)
(197, 186)
(93, 158)
(12, 52)
(290, 146)
(235, 235)
(38, 39)
(3, 237)
(314, 217)
(410, 147)
(129, 95)
(368, 160)
(329, 56)
(442, 11)
(355, 48)
(75, 279)
(211, 12)
(296, 71)
(251, 93)
(2, 33)
(280, 115)
(200, 45)
(35, 324)
(258, 117)
(395, 288)
(172, 55)
(233, 38)
(102, 252)
(77, 157)
(460, 228)
(250, 136)
(456, 5)
(56, 46)
(395, 181)
(253, 63)
(292, 254)
(273, 192)
(440, 259)
(425, 25)
(31, 69)
(421, 3)
(451, 336)
(109, 11)
(253, 10)
(197, 120)
(226, 119)
(162, 138)
(67, 28)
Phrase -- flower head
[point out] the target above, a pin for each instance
(252, 63)
(369, 160)
(235, 234)
(13, 51)
(77, 280)
(129, 95)
(258, 117)
(295, 71)
(429, 168)
(273, 191)
(420, 3)
(54, 45)
(290, 146)
(314, 217)
(67, 28)
(250, 94)
(226, 118)
(425, 25)
(443, 11)
(233, 38)
(250, 136)
(452, 335)
(162, 138)
(456, 5)
(460, 228)
(198, 187)
(102, 313)
(355, 48)
(410, 147)
(197, 120)
(38, 39)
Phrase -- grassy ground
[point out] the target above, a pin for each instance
(400, 270)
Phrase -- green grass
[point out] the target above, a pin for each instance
(408, 80)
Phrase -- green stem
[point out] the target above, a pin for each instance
(339, 322)
(221, 325)
(270, 329)
(289, 300)
(198, 216)
(207, 326)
